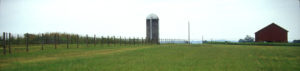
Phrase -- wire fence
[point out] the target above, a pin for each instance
(45, 41)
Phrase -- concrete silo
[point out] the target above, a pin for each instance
(152, 25)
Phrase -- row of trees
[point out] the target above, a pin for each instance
(248, 38)
(63, 38)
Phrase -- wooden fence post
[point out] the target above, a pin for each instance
(120, 40)
(55, 40)
(133, 40)
(107, 40)
(43, 41)
(18, 39)
(9, 43)
(143, 41)
(68, 41)
(58, 39)
(125, 41)
(128, 40)
(4, 44)
(102, 41)
(87, 40)
(77, 38)
(114, 41)
(27, 41)
(94, 40)
(138, 41)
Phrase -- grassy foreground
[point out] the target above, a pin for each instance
(164, 57)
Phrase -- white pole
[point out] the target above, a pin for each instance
(202, 39)
(189, 40)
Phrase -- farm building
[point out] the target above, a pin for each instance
(271, 33)
(152, 24)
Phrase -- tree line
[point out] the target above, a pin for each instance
(63, 38)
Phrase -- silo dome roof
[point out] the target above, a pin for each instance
(152, 16)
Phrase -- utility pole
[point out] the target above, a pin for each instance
(189, 40)
(202, 39)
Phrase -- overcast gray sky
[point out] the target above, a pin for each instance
(213, 19)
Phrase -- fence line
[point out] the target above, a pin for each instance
(66, 39)
(4, 43)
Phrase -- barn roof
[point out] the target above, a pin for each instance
(273, 24)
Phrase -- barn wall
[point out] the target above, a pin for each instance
(271, 33)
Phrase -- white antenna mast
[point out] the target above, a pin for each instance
(189, 40)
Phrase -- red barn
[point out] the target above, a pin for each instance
(271, 33)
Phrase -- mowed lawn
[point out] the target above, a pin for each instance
(164, 57)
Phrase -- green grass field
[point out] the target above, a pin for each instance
(164, 57)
